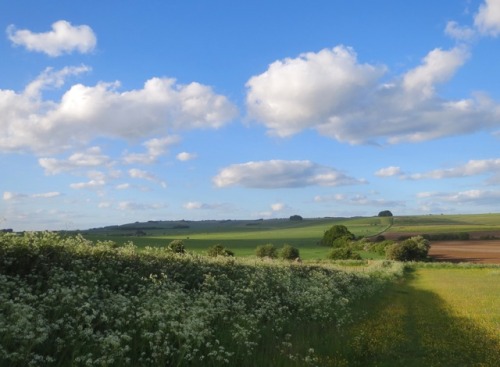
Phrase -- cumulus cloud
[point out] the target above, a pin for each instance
(281, 174)
(303, 92)
(30, 122)
(487, 19)
(64, 38)
(90, 158)
(185, 156)
(332, 92)
(154, 149)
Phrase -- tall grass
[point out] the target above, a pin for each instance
(73, 302)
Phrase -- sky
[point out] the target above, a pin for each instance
(113, 111)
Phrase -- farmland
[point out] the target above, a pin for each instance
(97, 299)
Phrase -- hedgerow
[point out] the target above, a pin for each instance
(66, 301)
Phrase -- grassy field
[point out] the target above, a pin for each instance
(241, 237)
(437, 317)
(446, 223)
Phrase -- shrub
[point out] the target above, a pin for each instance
(219, 250)
(343, 254)
(177, 246)
(267, 250)
(412, 249)
(337, 236)
(288, 252)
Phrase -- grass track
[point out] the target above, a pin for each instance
(437, 317)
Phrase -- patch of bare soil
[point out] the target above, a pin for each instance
(476, 251)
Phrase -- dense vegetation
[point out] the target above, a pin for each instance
(66, 301)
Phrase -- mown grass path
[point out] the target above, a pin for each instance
(436, 317)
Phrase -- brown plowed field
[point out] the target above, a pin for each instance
(474, 250)
(477, 251)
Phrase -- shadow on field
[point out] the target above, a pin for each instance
(414, 327)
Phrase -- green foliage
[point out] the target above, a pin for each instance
(337, 236)
(267, 250)
(343, 254)
(288, 252)
(177, 246)
(72, 302)
(296, 218)
(380, 247)
(219, 250)
(412, 249)
(385, 213)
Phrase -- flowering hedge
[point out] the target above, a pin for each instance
(66, 301)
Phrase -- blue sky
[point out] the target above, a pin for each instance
(120, 111)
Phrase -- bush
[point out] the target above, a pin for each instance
(343, 254)
(219, 250)
(288, 252)
(380, 247)
(267, 250)
(337, 236)
(412, 249)
(177, 246)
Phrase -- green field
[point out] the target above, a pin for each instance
(65, 301)
(241, 237)
(438, 317)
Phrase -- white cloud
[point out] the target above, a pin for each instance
(47, 195)
(278, 207)
(145, 175)
(297, 93)
(477, 197)
(437, 67)
(185, 156)
(358, 200)
(8, 195)
(471, 168)
(134, 206)
(196, 205)
(281, 174)
(92, 184)
(389, 171)
(487, 20)
(459, 33)
(62, 39)
(332, 92)
(86, 112)
(155, 148)
(91, 157)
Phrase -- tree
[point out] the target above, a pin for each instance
(337, 236)
(296, 217)
(385, 213)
